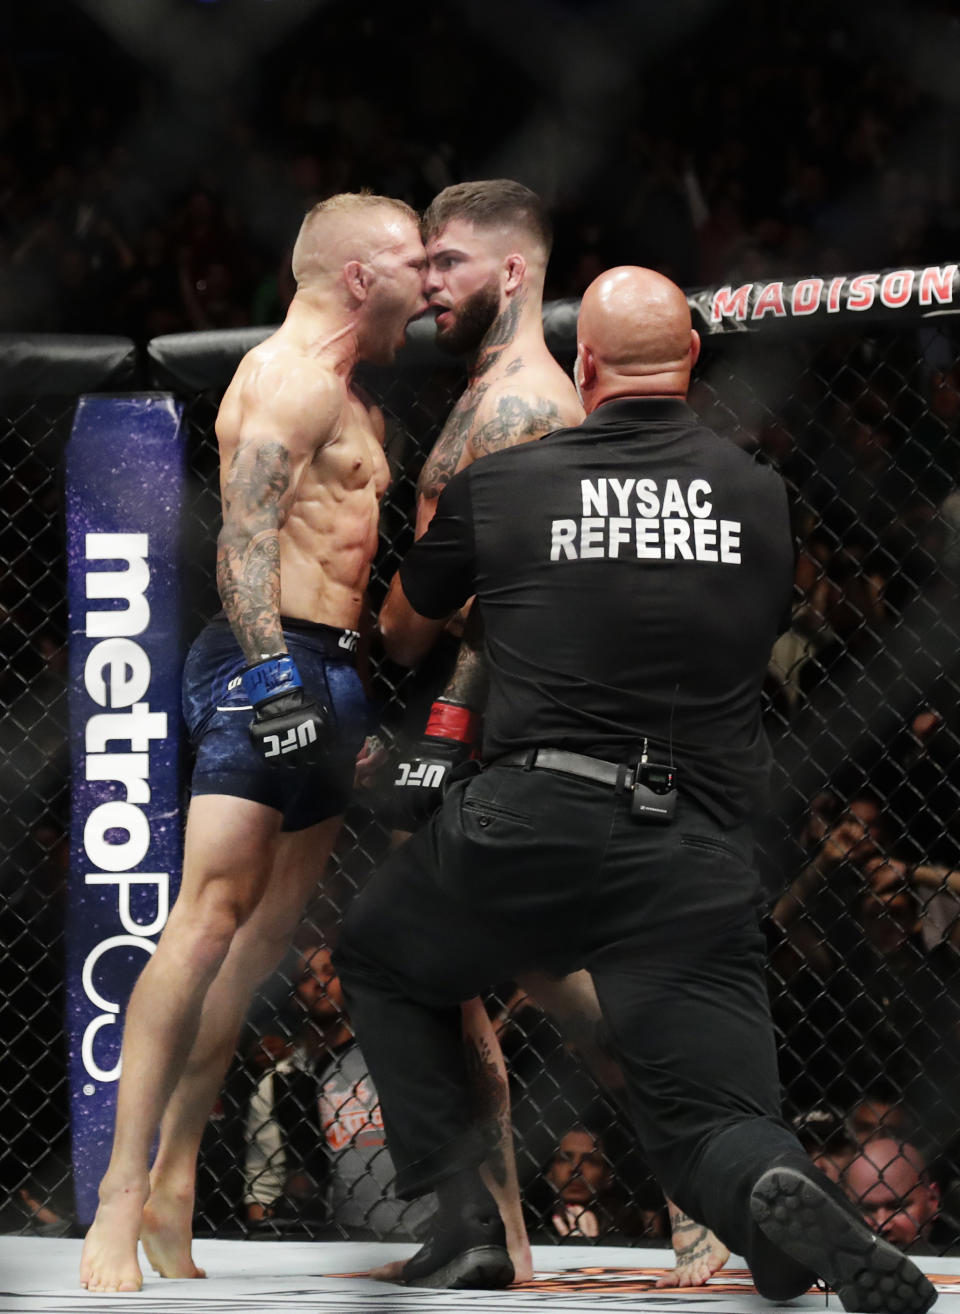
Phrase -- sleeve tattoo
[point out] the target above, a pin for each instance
(470, 679)
(491, 1104)
(248, 548)
(439, 467)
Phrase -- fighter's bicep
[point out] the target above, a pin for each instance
(279, 432)
(441, 464)
(259, 481)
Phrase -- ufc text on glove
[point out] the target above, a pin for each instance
(288, 729)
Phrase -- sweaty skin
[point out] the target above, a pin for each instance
(302, 472)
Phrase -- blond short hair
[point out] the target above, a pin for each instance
(324, 218)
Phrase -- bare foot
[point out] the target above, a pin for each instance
(109, 1259)
(698, 1259)
(167, 1233)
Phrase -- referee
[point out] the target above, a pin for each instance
(632, 575)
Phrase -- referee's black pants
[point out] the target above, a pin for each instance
(526, 869)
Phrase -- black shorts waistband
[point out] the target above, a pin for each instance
(331, 640)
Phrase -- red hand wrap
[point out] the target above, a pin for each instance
(453, 721)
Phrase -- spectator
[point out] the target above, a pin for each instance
(918, 774)
(891, 1183)
(866, 1000)
(550, 1085)
(719, 196)
(878, 1114)
(838, 840)
(822, 1134)
(810, 629)
(315, 1150)
(576, 1199)
(932, 454)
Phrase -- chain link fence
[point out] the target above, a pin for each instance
(859, 852)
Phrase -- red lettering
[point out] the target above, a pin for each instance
(730, 303)
(833, 296)
(806, 296)
(896, 288)
(937, 282)
(771, 298)
(863, 289)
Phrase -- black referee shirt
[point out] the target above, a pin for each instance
(632, 576)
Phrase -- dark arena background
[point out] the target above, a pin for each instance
(796, 170)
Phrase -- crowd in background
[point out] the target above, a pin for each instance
(139, 196)
(787, 145)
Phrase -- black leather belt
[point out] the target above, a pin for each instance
(571, 764)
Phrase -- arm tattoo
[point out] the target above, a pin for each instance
(248, 548)
(515, 420)
(469, 681)
(491, 1104)
(443, 460)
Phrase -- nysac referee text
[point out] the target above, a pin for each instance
(636, 518)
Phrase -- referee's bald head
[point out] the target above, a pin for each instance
(634, 337)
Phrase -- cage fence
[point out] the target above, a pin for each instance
(858, 850)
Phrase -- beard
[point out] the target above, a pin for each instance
(471, 321)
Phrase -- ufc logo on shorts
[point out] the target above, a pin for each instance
(429, 775)
(298, 736)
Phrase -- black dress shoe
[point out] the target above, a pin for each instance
(817, 1228)
(461, 1252)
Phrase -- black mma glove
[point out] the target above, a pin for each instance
(421, 773)
(288, 729)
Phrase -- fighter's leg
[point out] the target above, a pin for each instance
(228, 857)
(571, 1001)
(488, 1077)
(410, 950)
(491, 1092)
(299, 860)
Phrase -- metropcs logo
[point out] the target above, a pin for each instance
(116, 676)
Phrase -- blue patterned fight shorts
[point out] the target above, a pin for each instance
(218, 714)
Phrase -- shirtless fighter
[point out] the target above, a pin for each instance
(268, 686)
(487, 243)
(487, 247)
